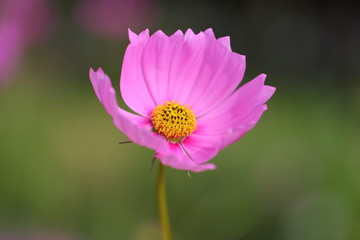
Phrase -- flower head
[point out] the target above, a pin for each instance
(22, 24)
(183, 89)
(111, 18)
(11, 50)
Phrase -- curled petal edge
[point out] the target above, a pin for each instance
(135, 127)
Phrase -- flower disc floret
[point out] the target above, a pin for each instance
(173, 120)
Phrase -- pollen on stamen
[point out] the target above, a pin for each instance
(173, 120)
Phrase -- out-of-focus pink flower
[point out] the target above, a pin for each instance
(34, 17)
(112, 18)
(22, 23)
(183, 88)
(10, 51)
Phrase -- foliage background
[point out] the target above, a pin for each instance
(295, 176)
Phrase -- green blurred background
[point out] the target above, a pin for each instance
(295, 176)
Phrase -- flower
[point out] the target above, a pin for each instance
(22, 24)
(10, 51)
(183, 89)
(111, 18)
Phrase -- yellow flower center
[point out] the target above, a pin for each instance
(173, 120)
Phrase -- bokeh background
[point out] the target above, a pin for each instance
(63, 175)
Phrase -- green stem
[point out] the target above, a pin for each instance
(163, 211)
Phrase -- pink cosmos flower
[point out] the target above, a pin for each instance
(111, 18)
(183, 91)
(35, 17)
(22, 24)
(10, 51)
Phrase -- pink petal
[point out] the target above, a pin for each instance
(195, 69)
(210, 33)
(138, 129)
(134, 38)
(220, 127)
(229, 121)
(177, 158)
(134, 88)
(225, 41)
(104, 91)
